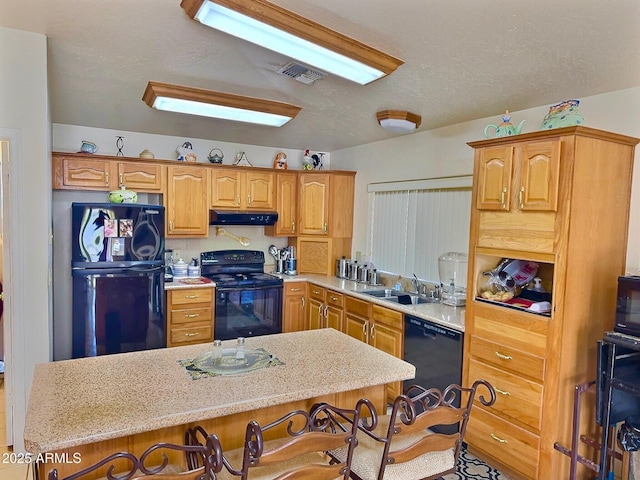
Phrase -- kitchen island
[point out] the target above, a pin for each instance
(94, 406)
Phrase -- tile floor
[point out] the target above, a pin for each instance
(9, 471)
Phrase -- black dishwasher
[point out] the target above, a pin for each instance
(435, 351)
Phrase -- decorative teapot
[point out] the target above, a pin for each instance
(563, 114)
(505, 129)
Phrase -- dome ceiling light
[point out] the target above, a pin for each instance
(398, 121)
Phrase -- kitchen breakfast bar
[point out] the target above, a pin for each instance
(91, 407)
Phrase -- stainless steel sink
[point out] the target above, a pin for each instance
(403, 298)
(382, 292)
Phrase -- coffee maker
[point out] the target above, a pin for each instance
(452, 267)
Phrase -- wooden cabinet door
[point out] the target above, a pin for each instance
(356, 327)
(333, 318)
(294, 314)
(186, 206)
(313, 204)
(81, 174)
(226, 189)
(391, 341)
(494, 178)
(139, 176)
(315, 315)
(286, 205)
(259, 190)
(539, 164)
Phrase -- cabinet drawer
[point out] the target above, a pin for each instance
(516, 397)
(192, 334)
(294, 288)
(507, 358)
(316, 292)
(392, 318)
(191, 295)
(357, 307)
(190, 315)
(521, 331)
(334, 298)
(508, 444)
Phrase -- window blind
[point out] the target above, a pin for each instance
(411, 227)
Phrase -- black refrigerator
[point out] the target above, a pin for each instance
(117, 265)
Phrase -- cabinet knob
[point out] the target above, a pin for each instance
(191, 296)
(191, 315)
(248, 199)
(502, 196)
(520, 197)
(501, 392)
(335, 299)
(372, 333)
(120, 178)
(192, 334)
(296, 289)
(302, 302)
(106, 178)
(171, 225)
(325, 227)
(293, 226)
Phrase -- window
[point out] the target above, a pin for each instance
(412, 223)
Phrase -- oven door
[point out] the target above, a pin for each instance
(247, 312)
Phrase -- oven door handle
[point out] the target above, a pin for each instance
(247, 288)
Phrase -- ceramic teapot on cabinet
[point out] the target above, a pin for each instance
(505, 129)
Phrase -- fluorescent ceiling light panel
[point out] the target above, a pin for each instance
(285, 32)
(398, 121)
(226, 106)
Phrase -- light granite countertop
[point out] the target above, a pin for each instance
(188, 282)
(445, 315)
(74, 402)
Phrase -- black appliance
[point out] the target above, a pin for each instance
(117, 265)
(223, 217)
(436, 352)
(248, 301)
(628, 306)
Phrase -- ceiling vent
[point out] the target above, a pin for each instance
(301, 73)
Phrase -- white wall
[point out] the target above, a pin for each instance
(444, 152)
(24, 100)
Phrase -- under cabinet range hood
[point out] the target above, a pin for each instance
(227, 217)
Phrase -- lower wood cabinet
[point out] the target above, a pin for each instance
(190, 316)
(293, 311)
(378, 326)
(325, 308)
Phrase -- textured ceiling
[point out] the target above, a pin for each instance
(464, 59)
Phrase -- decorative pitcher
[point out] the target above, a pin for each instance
(505, 129)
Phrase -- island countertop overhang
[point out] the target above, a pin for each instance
(75, 402)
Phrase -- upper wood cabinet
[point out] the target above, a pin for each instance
(78, 173)
(520, 177)
(185, 201)
(141, 177)
(237, 188)
(286, 205)
(87, 172)
(325, 204)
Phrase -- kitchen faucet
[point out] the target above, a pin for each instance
(416, 283)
